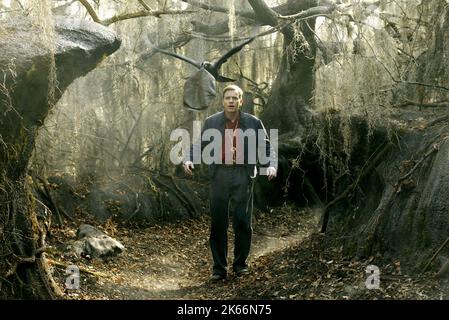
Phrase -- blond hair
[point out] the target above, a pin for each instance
(233, 87)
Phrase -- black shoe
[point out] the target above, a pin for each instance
(242, 272)
(217, 277)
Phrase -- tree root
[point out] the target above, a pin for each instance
(434, 257)
(46, 193)
(19, 261)
(369, 165)
(398, 186)
(82, 269)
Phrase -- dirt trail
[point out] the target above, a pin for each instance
(174, 261)
(288, 261)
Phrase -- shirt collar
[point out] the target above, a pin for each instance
(241, 117)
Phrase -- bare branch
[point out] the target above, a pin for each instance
(143, 13)
(183, 39)
(132, 15)
(215, 38)
(316, 11)
(90, 10)
(268, 16)
(283, 9)
(206, 6)
(147, 7)
(20, 4)
(264, 13)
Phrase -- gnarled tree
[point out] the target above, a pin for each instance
(347, 102)
(37, 64)
(361, 111)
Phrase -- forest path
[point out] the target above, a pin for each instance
(174, 261)
(289, 260)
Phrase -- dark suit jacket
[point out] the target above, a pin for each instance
(246, 121)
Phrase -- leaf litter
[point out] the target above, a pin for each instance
(289, 260)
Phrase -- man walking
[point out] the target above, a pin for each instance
(242, 137)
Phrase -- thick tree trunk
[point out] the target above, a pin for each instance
(288, 111)
(287, 108)
(25, 271)
(25, 66)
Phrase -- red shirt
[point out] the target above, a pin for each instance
(230, 125)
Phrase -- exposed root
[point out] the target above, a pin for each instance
(370, 164)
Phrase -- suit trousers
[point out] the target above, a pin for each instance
(231, 188)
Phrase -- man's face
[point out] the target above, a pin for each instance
(232, 101)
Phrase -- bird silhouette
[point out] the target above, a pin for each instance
(212, 67)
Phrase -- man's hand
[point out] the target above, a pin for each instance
(271, 173)
(188, 167)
